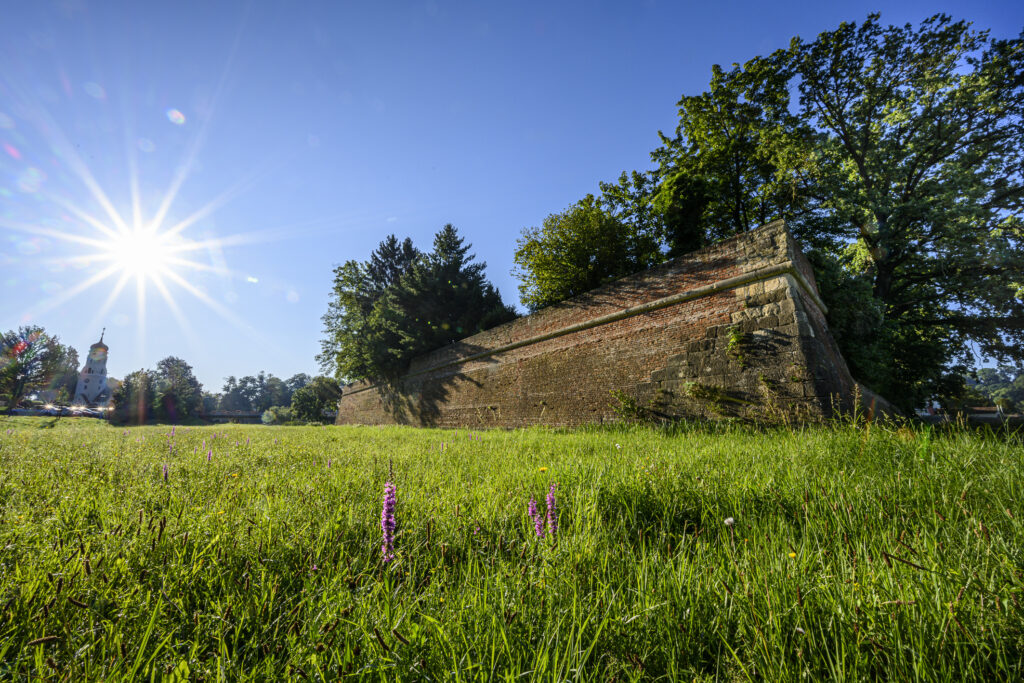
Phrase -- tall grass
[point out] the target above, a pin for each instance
(855, 553)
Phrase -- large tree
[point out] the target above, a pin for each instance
(316, 400)
(177, 394)
(133, 399)
(718, 176)
(918, 163)
(31, 360)
(575, 251)
(401, 303)
(357, 342)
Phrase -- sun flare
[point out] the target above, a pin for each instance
(141, 252)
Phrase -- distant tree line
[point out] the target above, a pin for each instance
(1003, 387)
(172, 393)
(896, 156)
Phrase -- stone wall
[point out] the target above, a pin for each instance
(735, 329)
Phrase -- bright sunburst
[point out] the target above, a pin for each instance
(141, 252)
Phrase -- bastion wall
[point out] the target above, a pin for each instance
(736, 329)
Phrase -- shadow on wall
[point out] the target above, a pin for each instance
(417, 399)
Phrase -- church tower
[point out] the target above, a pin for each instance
(92, 387)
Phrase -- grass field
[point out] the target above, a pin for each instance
(854, 553)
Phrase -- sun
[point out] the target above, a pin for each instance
(141, 252)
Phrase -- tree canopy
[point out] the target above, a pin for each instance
(32, 360)
(899, 165)
(177, 393)
(311, 402)
(402, 303)
(260, 391)
(171, 392)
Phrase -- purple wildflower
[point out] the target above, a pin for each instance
(387, 522)
(172, 432)
(538, 519)
(165, 471)
(209, 456)
(552, 511)
(328, 463)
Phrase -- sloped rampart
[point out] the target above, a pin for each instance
(735, 329)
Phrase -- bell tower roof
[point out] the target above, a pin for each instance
(100, 343)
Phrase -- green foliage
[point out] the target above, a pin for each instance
(276, 415)
(1002, 386)
(32, 360)
(210, 401)
(855, 318)
(133, 399)
(628, 409)
(575, 251)
(169, 393)
(917, 159)
(402, 303)
(900, 164)
(177, 394)
(719, 174)
(256, 393)
(265, 561)
(313, 402)
(736, 346)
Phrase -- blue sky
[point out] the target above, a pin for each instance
(279, 139)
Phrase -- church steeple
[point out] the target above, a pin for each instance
(92, 389)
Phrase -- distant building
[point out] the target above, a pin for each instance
(92, 389)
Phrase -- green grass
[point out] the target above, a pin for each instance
(856, 553)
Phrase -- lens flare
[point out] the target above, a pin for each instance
(176, 117)
(30, 180)
(94, 90)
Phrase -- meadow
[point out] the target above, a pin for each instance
(702, 553)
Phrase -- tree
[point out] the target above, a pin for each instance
(30, 360)
(311, 402)
(276, 415)
(133, 399)
(255, 392)
(918, 163)
(296, 382)
(401, 303)
(719, 175)
(573, 252)
(210, 402)
(358, 341)
(1003, 386)
(233, 395)
(443, 298)
(177, 393)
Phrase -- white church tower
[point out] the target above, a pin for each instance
(92, 387)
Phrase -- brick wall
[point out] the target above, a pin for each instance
(735, 329)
